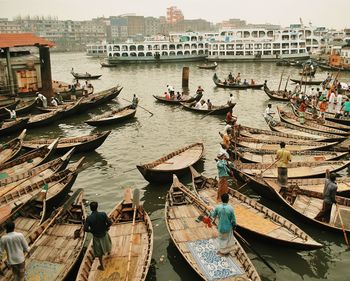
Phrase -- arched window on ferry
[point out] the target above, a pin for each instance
(267, 46)
(156, 47)
(149, 54)
(215, 53)
(164, 53)
(230, 53)
(133, 54)
(215, 46)
(200, 46)
(285, 52)
(276, 52)
(314, 42)
(194, 38)
(116, 48)
(179, 53)
(307, 33)
(285, 45)
(239, 46)
(267, 53)
(125, 48)
(172, 53)
(248, 46)
(132, 48)
(194, 52)
(285, 37)
(141, 54)
(276, 46)
(194, 46)
(125, 55)
(171, 47)
(262, 33)
(239, 34)
(110, 54)
(200, 52)
(187, 46)
(294, 51)
(222, 46)
(149, 47)
(179, 46)
(222, 53)
(140, 48)
(187, 53)
(257, 46)
(230, 47)
(270, 33)
(249, 53)
(246, 34)
(206, 51)
(110, 48)
(164, 47)
(206, 45)
(200, 38)
(294, 45)
(301, 51)
(255, 34)
(239, 53)
(308, 41)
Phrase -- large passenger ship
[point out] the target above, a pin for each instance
(175, 47)
(257, 44)
(97, 50)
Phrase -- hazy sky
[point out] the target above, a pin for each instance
(334, 13)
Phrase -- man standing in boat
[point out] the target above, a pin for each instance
(15, 246)
(223, 173)
(329, 192)
(283, 157)
(98, 224)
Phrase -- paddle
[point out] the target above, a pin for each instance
(210, 112)
(279, 86)
(342, 226)
(206, 207)
(136, 203)
(127, 171)
(140, 107)
(285, 88)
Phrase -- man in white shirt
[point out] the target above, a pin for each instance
(54, 102)
(42, 98)
(15, 246)
(171, 90)
(268, 111)
(231, 100)
(204, 105)
(339, 101)
(198, 105)
(331, 102)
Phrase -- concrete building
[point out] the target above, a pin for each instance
(7, 26)
(152, 26)
(136, 25)
(118, 29)
(190, 25)
(174, 15)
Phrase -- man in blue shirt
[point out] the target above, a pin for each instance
(226, 226)
(98, 224)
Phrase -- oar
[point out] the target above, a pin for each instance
(253, 250)
(285, 88)
(136, 203)
(127, 171)
(210, 112)
(279, 86)
(269, 167)
(206, 207)
(140, 107)
(342, 226)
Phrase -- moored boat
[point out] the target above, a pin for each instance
(254, 218)
(236, 86)
(10, 149)
(131, 235)
(85, 76)
(11, 127)
(177, 162)
(114, 117)
(174, 101)
(80, 144)
(281, 95)
(205, 66)
(194, 240)
(215, 110)
(44, 119)
(306, 81)
(67, 109)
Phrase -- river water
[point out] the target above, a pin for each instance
(148, 138)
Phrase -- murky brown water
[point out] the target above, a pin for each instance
(147, 138)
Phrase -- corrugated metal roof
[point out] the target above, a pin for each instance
(22, 40)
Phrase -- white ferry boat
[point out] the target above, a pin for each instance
(176, 47)
(257, 44)
(98, 50)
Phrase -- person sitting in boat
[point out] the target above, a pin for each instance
(12, 113)
(135, 102)
(59, 98)
(167, 95)
(215, 63)
(225, 82)
(329, 193)
(229, 117)
(171, 90)
(238, 78)
(230, 77)
(178, 96)
(245, 82)
(198, 105)
(210, 105)
(269, 112)
(231, 100)
(42, 99)
(200, 90)
(204, 105)
(54, 102)
(252, 82)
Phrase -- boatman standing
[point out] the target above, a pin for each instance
(98, 224)
(283, 157)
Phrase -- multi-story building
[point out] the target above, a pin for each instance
(7, 26)
(136, 25)
(231, 23)
(152, 26)
(119, 28)
(197, 25)
(174, 15)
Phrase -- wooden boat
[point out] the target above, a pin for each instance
(10, 106)
(282, 95)
(58, 186)
(182, 209)
(236, 86)
(177, 162)
(327, 123)
(333, 68)
(308, 72)
(205, 66)
(85, 76)
(63, 228)
(26, 107)
(274, 145)
(295, 169)
(107, 64)
(67, 109)
(307, 204)
(28, 160)
(114, 117)
(331, 117)
(173, 101)
(290, 118)
(215, 110)
(269, 156)
(11, 127)
(254, 218)
(8, 182)
(80, 144)
(306, 81)
(44, 119)
(10, 149)
(270, 135)
(132, 242)
(292, 129)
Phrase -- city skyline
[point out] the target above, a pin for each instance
(286, 14)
